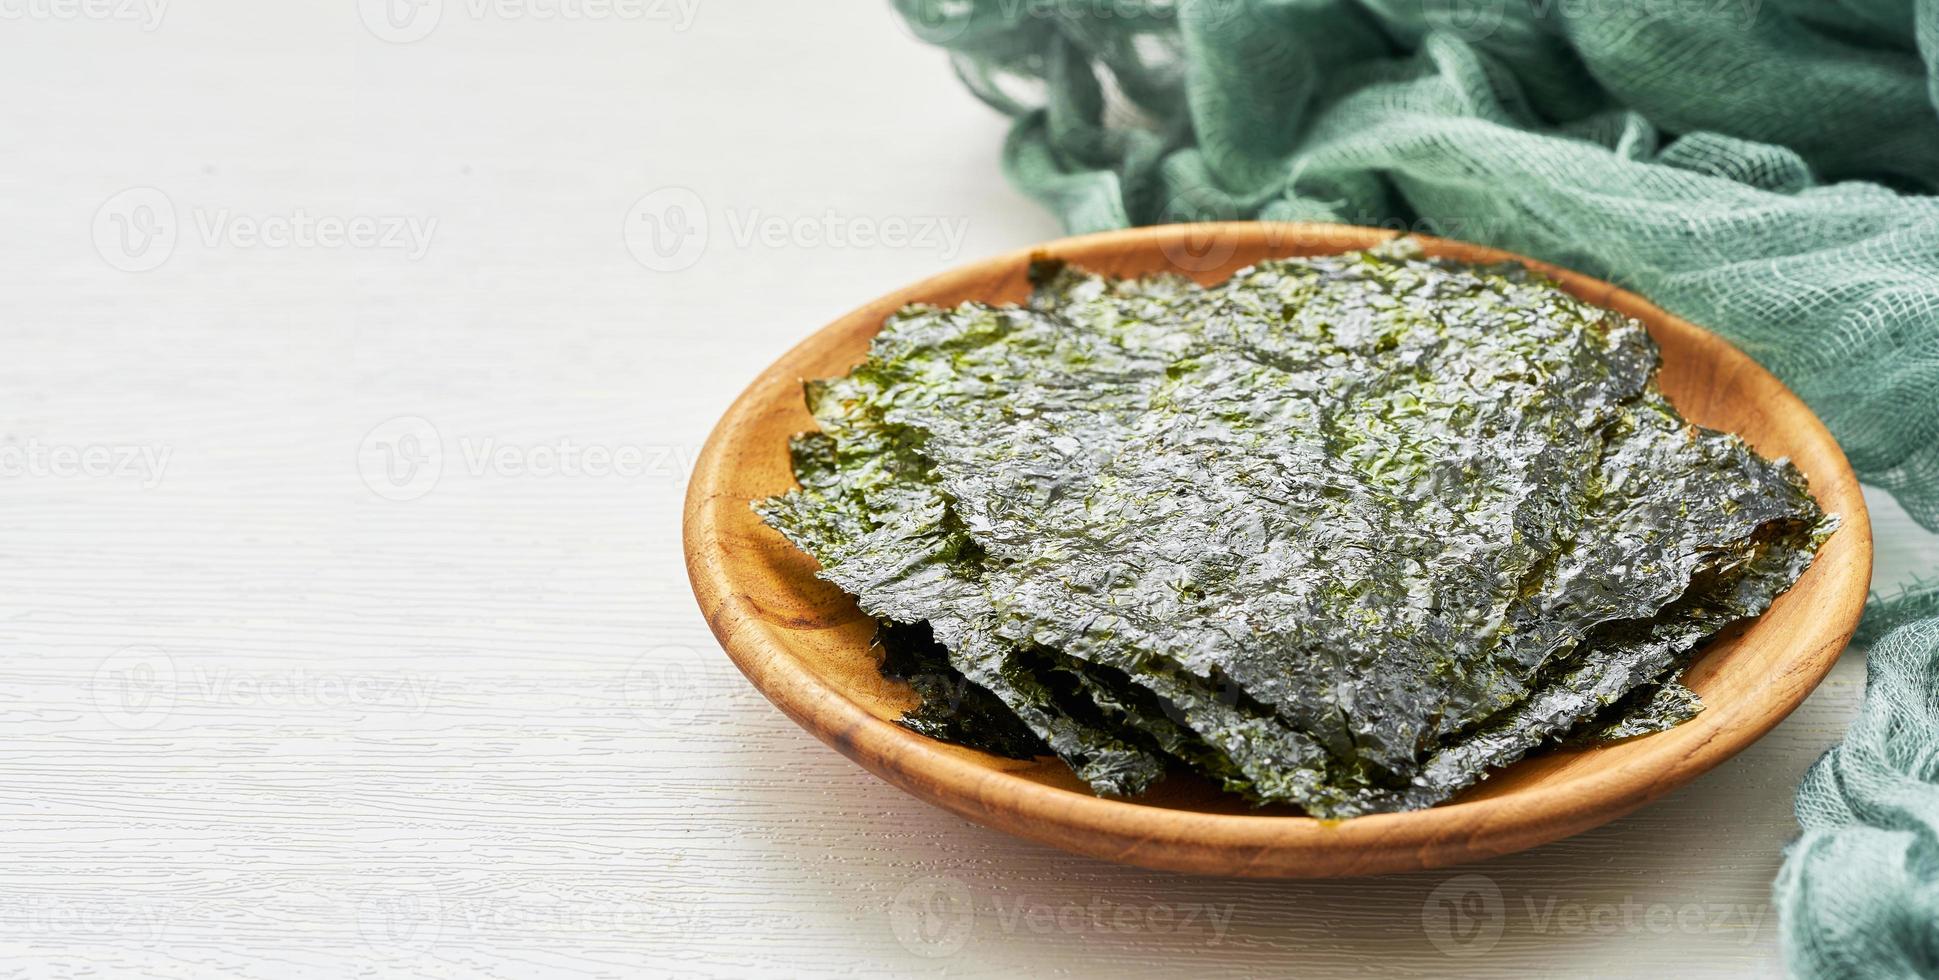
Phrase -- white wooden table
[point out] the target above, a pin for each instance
(354, 359)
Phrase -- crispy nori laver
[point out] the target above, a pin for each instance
(902, 586)
(858, 457)
(1647, 710)
(951, 709)
(1639, 657)
(1322, 532)
(883, 535)
(1129, 505)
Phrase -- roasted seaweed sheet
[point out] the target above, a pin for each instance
(1344, 533)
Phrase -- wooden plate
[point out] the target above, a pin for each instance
(805, 644)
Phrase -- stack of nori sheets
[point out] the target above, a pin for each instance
(1343, 533)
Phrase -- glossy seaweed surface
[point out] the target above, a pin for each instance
(1344, 533)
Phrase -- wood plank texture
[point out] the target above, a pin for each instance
(484, 732)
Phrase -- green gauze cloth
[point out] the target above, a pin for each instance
(1762, 167)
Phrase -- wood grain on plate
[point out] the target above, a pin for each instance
(804, 644)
